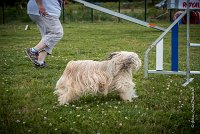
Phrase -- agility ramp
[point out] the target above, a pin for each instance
(119, 15)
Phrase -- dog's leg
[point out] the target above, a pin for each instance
(60, 92)
(134, 95)
(67, 97)
(127, 93)
(126, 96)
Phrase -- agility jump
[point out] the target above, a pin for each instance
(174, 44)
(119, 15)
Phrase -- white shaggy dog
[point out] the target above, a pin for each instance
(88, 76)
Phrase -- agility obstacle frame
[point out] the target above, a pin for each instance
(119, 15)
(158, 43)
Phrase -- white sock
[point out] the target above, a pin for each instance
(41, 62)
(34, 50)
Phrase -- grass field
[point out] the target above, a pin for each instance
(27, 103)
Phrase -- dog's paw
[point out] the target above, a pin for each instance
(130, 100)
(65, 104)
(135, 96)
(62, 100)
(61, 103)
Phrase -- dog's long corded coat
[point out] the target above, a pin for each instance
(88, 76)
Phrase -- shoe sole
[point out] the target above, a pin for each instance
(31, 58)
(36, 66)
(41, 66)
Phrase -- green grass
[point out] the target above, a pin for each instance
(27, 103)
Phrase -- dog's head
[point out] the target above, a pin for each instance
(127, 60)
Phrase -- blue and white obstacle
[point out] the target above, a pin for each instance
(174, 46)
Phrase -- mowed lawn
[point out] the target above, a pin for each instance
(28, 105)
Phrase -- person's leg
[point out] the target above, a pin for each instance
(33, 53)
(41, 57)
(40, 46)
(52, 31)
(42, 53)
(42, 28)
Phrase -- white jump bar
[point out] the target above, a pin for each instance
(194, 45)
(172, 72)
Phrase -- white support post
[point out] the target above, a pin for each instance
(159, 55)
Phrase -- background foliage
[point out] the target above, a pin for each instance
(16, 11)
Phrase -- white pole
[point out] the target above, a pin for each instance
(159, 56)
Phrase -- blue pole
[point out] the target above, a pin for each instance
(174, 48)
